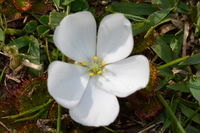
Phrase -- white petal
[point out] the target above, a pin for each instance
(97, 107)
(76, 36)
(66, 83)
(115, 39)
(126, 76)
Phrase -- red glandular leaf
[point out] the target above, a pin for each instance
(153, 78)
(1, 1)
(145, 107)
(144, 102)
(29, 128)
(30, 93)
(34, 93)
(10, 12)
(22, 5)
(40, 7)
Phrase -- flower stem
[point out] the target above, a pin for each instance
(58, 119)
(59, 107)
(47, 50)
(192, 115)
(31, 117)
(2, 73)
(32, 110)
(11, 31)
(67, 10)
(109, 129)
(172, 62)
(170, 112)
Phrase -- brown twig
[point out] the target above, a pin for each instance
(185, 36)
(13, 78)
(3, 125)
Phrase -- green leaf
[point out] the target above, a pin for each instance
(2, 36)
(167, 120)
(79, 5)
(32, 44)
(134, 17)
(175, 42)
(44, 20)
(163, 50)
(67, 2)
(197, 67)
(12, 32)
(198, 8)
(55, 18)
(195, 87)
(34, 50)
(194, 59)
(166, 75)
(20, 42)
(182, 7)
(182, 87)
(191, 129)
(158, 16)
(140, 27)
(56, 3)
(154, 19)
(30, 26)
(164, 3)
(150, 30)
(176, 45)
(197, 29)
(133, 8)
(190, 113)
(41, 29)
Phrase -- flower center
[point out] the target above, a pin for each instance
(95, 66)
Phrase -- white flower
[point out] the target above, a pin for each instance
(89, 89)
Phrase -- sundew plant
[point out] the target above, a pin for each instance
(99, 66)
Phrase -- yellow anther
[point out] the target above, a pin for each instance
(83, 63)
(99, 72)
(95, 58)
(91, 74)
(103, 63)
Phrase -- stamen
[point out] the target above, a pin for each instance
(99, 72)
(95, 67)
(91, 74)
(103, 63)
(96, 58)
